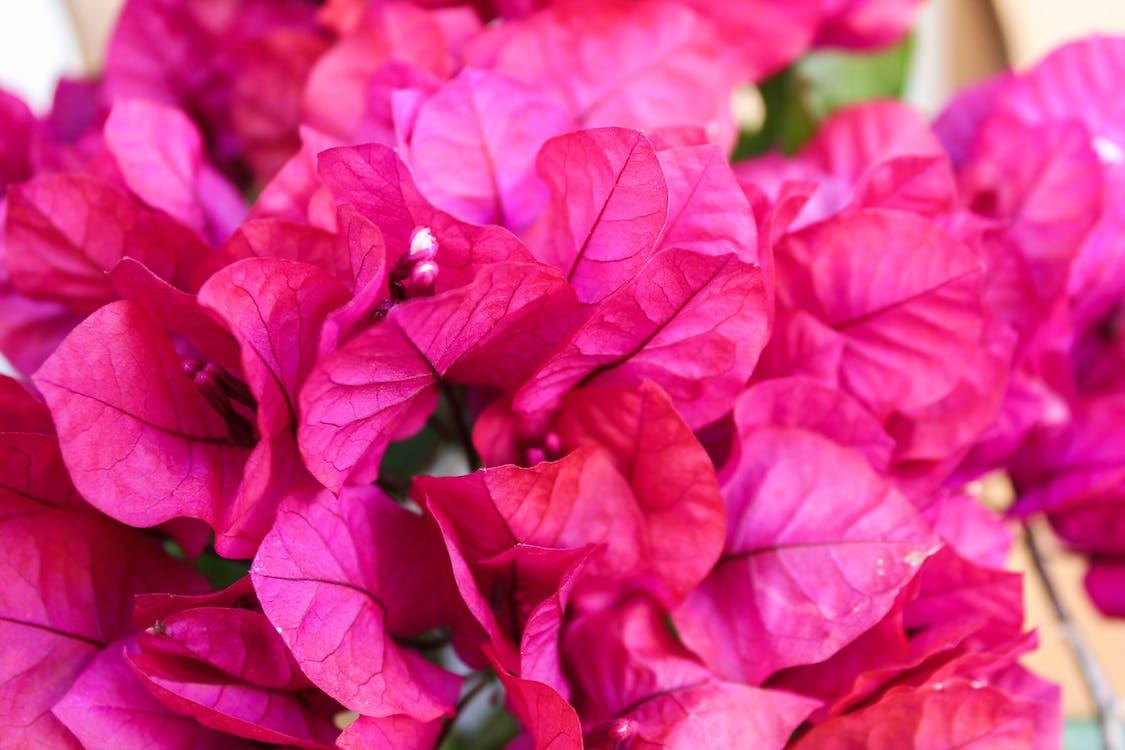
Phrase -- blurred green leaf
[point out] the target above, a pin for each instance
(493, 734)
(408, 457)
(220, 571)
(800, 97)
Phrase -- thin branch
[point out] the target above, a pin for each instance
(483, 681)
(464, 434)
(1096, 681)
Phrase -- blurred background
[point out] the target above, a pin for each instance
(956, 42)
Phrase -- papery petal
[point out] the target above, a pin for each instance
(108, 707)
(140, 441)
(669, 472)
(618, 63)
(65, 232)
(956, 715)
(910, 317)
(609, 203)
(693, 324)
(810, 562)
(707, 210)
(342, 578)
(473, 148)
(66, 585)
(160, 154)
(373, 390)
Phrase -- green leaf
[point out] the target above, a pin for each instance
(220, 571)
(800, 97)
(406, 458)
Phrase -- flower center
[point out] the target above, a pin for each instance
(611, 734)
(222, 390)
(415, 273)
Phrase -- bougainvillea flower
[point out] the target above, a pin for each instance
(31, 466)
(1074, 472)
(193, 58)
(880, 154)
(865, 23)
(762, 35)
(956, 714)
(494, 181)
(160, 154)
(68, 232)
(347, 580)
(707, 210)
(143, 444)
(608, 206)
(68, 579)
(926, 633)
(489, 332)
(108, 705)
(216, 660)
(808, 566)
(636, 65)
(16, 127)
(893, 328)
(337, 99)
(693, 324)
(636, 684)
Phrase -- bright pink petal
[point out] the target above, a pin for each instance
(108, 707)
(609, 203)
(160, 154)
(66, 585)
(618, 63)
(669, 472)
(342, 578)
(693, 324)
(818, 548)
(141, 443)
(64, 233)
(473, 148)
(957, 715)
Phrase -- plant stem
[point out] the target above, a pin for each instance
(464, 434)
(483, 681)
(1096, 681)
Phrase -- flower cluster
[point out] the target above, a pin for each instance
(508, 377)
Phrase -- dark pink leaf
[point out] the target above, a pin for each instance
(669, 472)
(957, 714)
(160, 154)
(619, 64)
(67, 581)
(818, 547)
(633, 678)
(142, 444)
(578, 501)
(233, 707)
(108, 707)
(390, 733)
(908, 319)
(473, 148)
(806, 404)
(16, 127)
(65, 233)
(609, 203)
(865, 23)
(372, 391)
(693, 324)
(766, 35)
(707, 210)
(342, 578)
